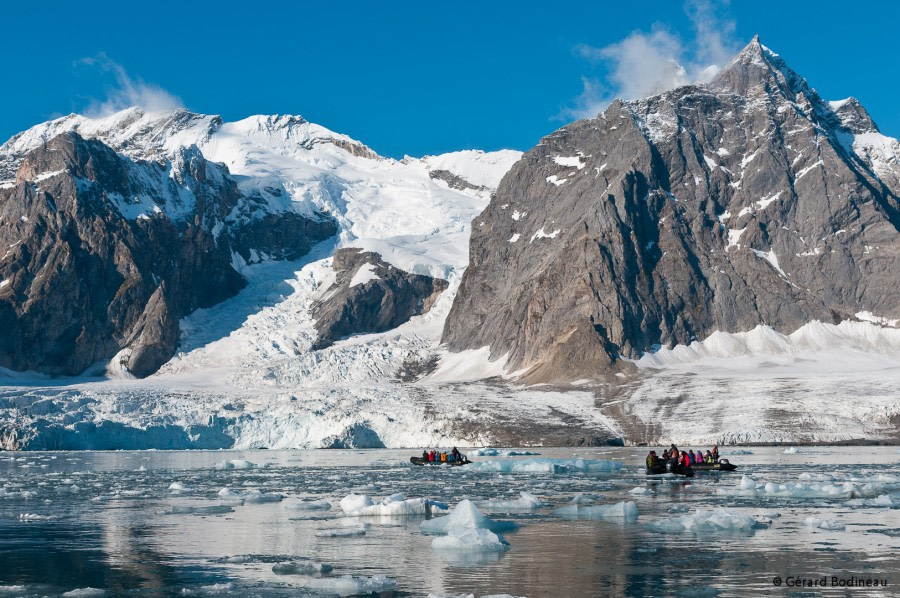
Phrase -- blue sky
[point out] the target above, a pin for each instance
(418, 77)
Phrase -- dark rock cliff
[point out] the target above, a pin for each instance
(370, 295)
(721, 207)
(102, 253)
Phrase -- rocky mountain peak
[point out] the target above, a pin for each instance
(757, 65)
(854, 116)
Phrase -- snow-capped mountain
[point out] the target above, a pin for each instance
(733, 239)
(716, 208)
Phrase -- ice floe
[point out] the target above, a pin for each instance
(395, 505)
(301, 569)
(348, 585)
(625, 510)
(546, 466)
(826, 524)
(235, 464)
(308, 505)
(707, 521)
(470, 539)
(525, 501)
(493, 452)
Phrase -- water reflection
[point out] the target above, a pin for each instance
(150, 524)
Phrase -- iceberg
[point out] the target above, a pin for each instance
(396, 505)
(465, 515)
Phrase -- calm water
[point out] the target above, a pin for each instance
(73, 521)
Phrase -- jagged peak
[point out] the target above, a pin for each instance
(853, 116)
(756, 65)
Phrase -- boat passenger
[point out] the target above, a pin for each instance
(715, 453)
(444, 457)
(424, 455)
(651, 459)
(432, 455)
(709, 457)
(665, 455)
(685, 460)
(456, 454)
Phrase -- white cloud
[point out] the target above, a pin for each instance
(645, 64)
(127, 91)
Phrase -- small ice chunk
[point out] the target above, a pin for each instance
(84, 593)
(308, 505)
(791, 450)
(348, 585)
(826, 524)
(235, 464)
(343, 532)
(209, 510)
(176, 487)
(526, 501)
(747, 483)
(626, 510)
(640, 490)
(301, 569)
(470, 539)
(706, 521)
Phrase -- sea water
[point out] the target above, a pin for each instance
(572, 522)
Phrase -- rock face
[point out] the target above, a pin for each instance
(105, 254)
(370, 295)
(721, 207)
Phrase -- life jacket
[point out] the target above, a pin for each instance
(687, 460)
(431, 456)
(650, 460)
(443, 457)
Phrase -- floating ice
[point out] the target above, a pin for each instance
(35, 517)
(492, 452)
(343, 532)
(546, 466)
(176, 487)
(626, 510)
(255, 496)
(396, 505)
(526, 501)
(465, 515)
(308, 505)
(209, 510)
(301, 569)
(349, 585)
(84, 593)
(235, 464)
(791, 450)
(640, 490)
(706, 521)
(750, 487)
(470, 539)
(883, 500)
(827, 524)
